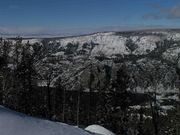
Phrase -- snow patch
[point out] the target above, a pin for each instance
(31, 41)
(98, 130)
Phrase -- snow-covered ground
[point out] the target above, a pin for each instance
(14, 123)
(97, 129)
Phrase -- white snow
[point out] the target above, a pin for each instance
(146, 43)
(173, 36)
(160, 88)
(172, 54)
(97, 129)
(108, 43)
(136, 107)
(58, 54)
(134, 38)
(14, 123)
(167, 107)
(31, 41)
(111, 44)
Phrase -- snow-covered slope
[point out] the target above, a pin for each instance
(13, 123)
(107, 43)
(145, 44)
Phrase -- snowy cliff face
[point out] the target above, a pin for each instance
(151, 57)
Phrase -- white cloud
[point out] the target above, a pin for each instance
(174, 13)
(168, 13)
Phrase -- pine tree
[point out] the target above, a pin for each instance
(91, 79)
(119, 97)
(58, 100)
(4, 70)
(25, 72)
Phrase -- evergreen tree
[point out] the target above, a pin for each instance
(119, 97)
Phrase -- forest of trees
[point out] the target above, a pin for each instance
(21, 71)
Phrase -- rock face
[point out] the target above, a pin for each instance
(151, 58)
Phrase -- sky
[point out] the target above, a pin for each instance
(81, 16)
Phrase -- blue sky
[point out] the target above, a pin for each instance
(35, 16)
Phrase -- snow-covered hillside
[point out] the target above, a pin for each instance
(147, 54)
(14, 123)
